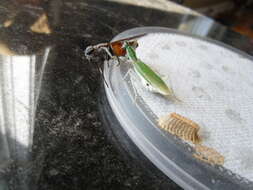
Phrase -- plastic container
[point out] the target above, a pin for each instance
(169, 154)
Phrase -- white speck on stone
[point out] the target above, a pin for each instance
(53, 172)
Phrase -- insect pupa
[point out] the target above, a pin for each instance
(180, 126)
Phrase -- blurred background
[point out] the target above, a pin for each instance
(237, 14)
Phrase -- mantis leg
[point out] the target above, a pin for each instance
(107, 51)
(129, 72)
(110, 55)
(118, 60)
(102, 73)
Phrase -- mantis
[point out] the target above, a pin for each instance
(151, 80)
(126, 47)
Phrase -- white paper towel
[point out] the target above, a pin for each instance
(216, 87)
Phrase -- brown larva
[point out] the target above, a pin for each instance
(181, 127)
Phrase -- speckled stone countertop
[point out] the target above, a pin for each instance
(51, 129)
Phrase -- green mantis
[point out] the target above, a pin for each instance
(150, 79)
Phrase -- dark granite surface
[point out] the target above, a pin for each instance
(50, 93)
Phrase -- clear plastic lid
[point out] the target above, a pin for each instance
(169, 153)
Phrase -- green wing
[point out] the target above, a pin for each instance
(151, 77)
